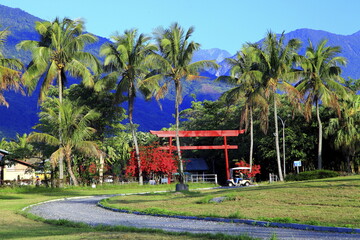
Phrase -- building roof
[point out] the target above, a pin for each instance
(196, 164)
(4, 152)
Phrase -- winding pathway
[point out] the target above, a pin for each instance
(86, 210)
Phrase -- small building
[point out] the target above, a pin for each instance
(198, 171)
(15, 170)
(196, 165)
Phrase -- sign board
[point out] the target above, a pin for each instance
(297, 163)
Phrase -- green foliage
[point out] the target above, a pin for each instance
(309, 175)
(117, 149)
(344, 131)
(300, 136)
(246, 80)
(20, 148)
(59, 52)
(155, 211)
(9, 71)
(125, 59)
(321, 82)
(278, 219)
(273, 237)
(109, 123)
(237, 215)
(210, 115)
(67, 127)
(173, 65)
(205, 200)
(233, 197)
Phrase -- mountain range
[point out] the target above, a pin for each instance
(22, 113)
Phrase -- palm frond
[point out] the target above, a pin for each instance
(43, 137)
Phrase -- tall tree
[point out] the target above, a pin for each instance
(174, 65)
(125, 58)
(59, 51)
(321, 82)
(9, 71)
(275, 59)
(246, 79)
(75, 131)
(346, 130)
(20, 148)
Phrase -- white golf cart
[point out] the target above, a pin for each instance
(238, 181)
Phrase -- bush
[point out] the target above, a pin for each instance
(309, 175)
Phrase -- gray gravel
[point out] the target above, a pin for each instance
(85, 210)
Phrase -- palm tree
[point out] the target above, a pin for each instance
(20, 148)
(320, 82)
(59, 51)
(346, 130)
(10, 76)
(246, 78)
(275, 61)
(174, 65)
(75, 131)
(125, 58)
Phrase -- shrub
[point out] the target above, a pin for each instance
(309, 175)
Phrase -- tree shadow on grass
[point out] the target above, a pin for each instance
(8, 197)
(42, 231)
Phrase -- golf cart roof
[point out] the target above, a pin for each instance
(240, 168)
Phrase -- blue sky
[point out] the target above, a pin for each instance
(225, 24)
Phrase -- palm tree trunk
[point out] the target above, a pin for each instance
(177, 100)
(320, 136)
(1, 174)
(101, 170)
(61, 160)
(348, 162)
(277, 141)
(70, 171)
(52, 177)
(251, 138)
(133, 133)
(60, 86)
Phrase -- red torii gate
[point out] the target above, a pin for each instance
(203, 133)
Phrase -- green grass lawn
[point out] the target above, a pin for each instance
(16, 226)
(327, 202)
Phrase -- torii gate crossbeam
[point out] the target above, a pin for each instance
(203, 133)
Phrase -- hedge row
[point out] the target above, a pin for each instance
(309, 175)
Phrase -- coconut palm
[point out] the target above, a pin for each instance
(9, 71)
(321, 82)
(246, 78)
(21, 148)
(346, 130)
(125, 58)
(275, 61)
(58, 52)
(174, 65)
(75, 131)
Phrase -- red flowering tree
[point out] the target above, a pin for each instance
(89, 171)
(154, 162)
(254, 170)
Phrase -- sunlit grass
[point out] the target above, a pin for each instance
(329, 202)
(17, 226)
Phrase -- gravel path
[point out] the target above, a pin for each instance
(85, 210)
